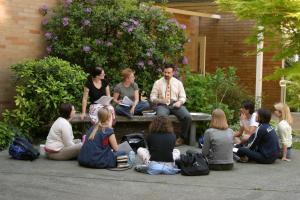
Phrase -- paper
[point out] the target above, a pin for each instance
(235, 149)
(104, 100)
(126, 102)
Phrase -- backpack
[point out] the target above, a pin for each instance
(135, 140)
(193, 164)
(22, 149)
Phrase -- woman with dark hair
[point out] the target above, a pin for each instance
(248, 123)
(60, 144)
(265, 146)
(161, 156)
(218, 142)
(95, 87)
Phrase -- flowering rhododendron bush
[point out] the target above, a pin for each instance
(115, 34)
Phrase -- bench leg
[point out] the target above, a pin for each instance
(193, 134)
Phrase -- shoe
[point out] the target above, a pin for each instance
(141, 168)
(179, 141)
(236, 157)
(243, 159)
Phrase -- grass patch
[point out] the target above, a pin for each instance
(296, 145)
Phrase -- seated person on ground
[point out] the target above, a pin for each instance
(129, 89)
(169, 95)
(161, 156)
(248, 123)
(265, 146)
(284, 130)
(100, 148)
(60, 144)
(218, 142)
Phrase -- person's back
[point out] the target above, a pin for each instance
(161, 146)
(266, 141)
(219, 150)
(97, 153)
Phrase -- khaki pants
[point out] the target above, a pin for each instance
(66, 153)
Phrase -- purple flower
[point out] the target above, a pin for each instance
(48, 49)
(135, 22)
(150, 62)
(185, 60)
(86, 49)
(86, 22)
(130, 29)
(67, 3)
(141, 64)
(88, 10)
(43, 9)
(65, 21)
(109, 44)
(183, 26)
(48, 35)
(98, 42)
(45, 21)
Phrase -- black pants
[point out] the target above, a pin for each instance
(254, 155)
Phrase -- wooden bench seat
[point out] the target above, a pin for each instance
(196, 118)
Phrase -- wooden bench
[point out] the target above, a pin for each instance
(196, 118)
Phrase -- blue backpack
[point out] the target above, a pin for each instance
(22, 149)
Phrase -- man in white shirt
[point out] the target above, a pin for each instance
(169, 96)
(248, 123)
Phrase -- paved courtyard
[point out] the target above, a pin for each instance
(45, 179)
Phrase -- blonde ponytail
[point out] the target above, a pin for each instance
(104, 115)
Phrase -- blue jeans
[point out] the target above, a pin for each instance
(125, 111)
(155, 168)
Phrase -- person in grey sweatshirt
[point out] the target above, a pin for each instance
(218, 142)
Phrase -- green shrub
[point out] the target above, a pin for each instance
(115, 34)
(218, 90)
(6, 135)
(41, 86)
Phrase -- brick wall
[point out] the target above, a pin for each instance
(20, 38)
(225, 46)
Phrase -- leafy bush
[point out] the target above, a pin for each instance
(115, 34)
(41, 86)
(219, 90)
(6, 135)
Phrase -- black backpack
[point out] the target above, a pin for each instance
(22, 149)
(135, 140)
(193, 164)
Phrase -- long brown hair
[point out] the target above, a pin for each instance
(161, 124)
(218, 119)
(104, 115)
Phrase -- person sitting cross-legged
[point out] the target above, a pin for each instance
(169, 95)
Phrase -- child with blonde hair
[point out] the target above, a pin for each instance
(284, 129)
(100, 149)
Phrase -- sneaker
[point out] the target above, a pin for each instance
(236, 157)
(243, 159)
(179, 141)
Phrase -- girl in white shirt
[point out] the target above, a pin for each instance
(60, 144)
(284, 129)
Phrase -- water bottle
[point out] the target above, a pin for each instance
(131, 158)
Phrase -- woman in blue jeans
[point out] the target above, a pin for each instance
(126, 96)
(264, 148)
(160, 156)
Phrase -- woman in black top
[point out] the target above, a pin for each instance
(160, 157)
(95, 87)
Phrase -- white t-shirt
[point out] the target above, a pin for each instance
(251, 121)
(285, 133)
(60, 135)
